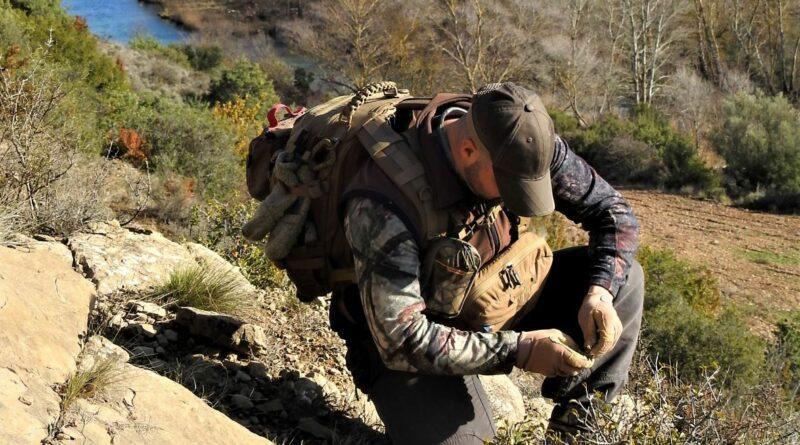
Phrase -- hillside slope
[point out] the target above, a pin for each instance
(756, 256)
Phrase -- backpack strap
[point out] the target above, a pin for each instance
(396, 158)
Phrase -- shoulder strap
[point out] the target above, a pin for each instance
(396, 158)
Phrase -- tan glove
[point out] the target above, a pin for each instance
(599, 322)
(550, 352)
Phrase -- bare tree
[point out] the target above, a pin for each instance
(38, 149)
(767, 34)
(707, 19)
(611, 21)
(574, 58)
(347, 38)
(485, 41)
(43, 174)
(693, 101)
(650, 34)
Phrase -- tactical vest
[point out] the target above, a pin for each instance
(480, 269)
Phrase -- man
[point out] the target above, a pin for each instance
(422, 373)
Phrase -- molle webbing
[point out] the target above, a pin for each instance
(397, 159)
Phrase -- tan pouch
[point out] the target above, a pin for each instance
(448, 270)
(506, 288)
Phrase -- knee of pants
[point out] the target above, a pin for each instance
(630, 301)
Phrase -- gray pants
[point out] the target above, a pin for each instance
(427, 409)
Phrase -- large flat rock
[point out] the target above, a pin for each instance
(143, 407)
(44, 308)
(117, 259)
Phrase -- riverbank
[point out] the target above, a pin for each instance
(241, 17)
(122, 20)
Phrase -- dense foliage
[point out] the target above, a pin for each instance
(759, 138)
(685, 325)
(642, 150)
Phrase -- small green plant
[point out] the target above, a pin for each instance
(790, 258)
(667, 278)
(686, 326)
(210, 288)
(787, 352)
(87, 384)
(243, 80)
(203, 58)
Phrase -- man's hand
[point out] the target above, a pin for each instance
(550, 352)
(599, 321)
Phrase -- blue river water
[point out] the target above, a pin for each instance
(121, 20)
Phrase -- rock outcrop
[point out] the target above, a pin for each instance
(223, 330)
(263, 376)
(118, 259)
(44, 307)
(143, 407)
(44, 314)
(505, 398)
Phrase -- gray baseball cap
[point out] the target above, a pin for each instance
(512, 124)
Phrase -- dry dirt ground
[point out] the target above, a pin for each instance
(755, 256)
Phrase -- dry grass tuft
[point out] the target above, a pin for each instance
(213, 289)
(87, 384)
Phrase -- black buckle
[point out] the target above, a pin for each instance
(509, 277)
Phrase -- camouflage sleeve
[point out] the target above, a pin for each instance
(387, 266)
(586, 198)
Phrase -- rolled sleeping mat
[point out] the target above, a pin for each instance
(268, 213)
(285, 234)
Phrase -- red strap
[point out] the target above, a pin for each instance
(272, 115)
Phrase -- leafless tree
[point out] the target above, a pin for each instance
(650, 29)
(768, 36)
(707, 19)
(693, 101)
(575, 62)
(609, 19)
(485, 41)
(44, 173)
(347, 38)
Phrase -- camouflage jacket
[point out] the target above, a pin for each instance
(387, 261)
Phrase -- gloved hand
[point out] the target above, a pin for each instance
(550, 352)
(599, 321)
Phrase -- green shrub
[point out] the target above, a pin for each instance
(183, 138)
(203, 58)
(218, 226)
(149, 44)
(696, 343)
(642, 150)
(760, 141)
(787, 352)
(668, 279)
(243, 80)
(681, 325)
(77, 49)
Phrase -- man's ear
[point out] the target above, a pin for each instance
(469, 151)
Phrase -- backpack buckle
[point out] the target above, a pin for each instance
(509, 277)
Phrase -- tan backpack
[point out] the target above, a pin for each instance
(299, 169)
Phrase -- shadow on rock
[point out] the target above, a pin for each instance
(220, 359)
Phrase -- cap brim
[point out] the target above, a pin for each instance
(526, 197)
